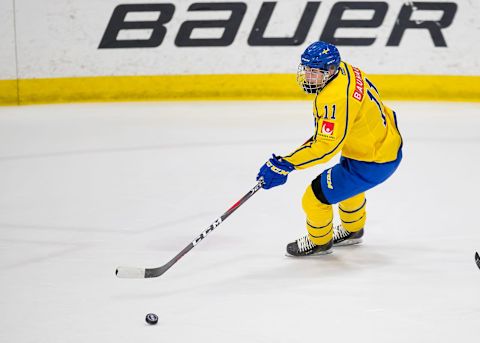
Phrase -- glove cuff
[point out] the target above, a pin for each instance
(276, 169)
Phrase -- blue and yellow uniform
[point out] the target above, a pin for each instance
(350, 118)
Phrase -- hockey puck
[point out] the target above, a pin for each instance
(151, 318)
(477, 259)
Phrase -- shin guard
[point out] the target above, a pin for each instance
(319, 218)
(353, 213)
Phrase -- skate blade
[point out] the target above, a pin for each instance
(318, 254)
(349, 242)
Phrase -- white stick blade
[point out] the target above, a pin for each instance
(130, 272)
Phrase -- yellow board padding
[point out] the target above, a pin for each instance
(8, 92)
(170, 87)
(222, 87)
(428, 87)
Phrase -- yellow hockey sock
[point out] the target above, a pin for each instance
(353, 213)
(319, 218)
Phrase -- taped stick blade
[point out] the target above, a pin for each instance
(130, 273)
(477, 259)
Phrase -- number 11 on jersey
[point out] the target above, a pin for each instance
(374, 99)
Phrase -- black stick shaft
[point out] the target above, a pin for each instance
(154, 272)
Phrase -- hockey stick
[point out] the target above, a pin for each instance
(143, 273)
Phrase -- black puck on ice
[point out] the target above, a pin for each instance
(151, 318)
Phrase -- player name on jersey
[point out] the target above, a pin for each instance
(359, 89)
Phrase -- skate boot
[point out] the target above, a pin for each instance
(342, 237)
(305, 247)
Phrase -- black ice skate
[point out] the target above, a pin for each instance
(305, 247)
(342, 237)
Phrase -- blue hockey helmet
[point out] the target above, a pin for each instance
(321, 55)
(318, 64)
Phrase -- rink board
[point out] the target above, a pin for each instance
(197, 49)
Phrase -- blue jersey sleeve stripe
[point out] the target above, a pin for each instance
(299, 149)
(346, 126)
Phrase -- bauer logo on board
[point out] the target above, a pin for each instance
(412, 17)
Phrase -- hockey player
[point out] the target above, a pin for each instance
(351, 119)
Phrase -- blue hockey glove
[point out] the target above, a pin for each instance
(274, 172)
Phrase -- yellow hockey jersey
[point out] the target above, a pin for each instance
(349, 117)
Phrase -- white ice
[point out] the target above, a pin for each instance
(87, 187)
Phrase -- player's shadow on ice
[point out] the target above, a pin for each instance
(351, 260)
(261, 272)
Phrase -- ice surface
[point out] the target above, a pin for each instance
(86, 188)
